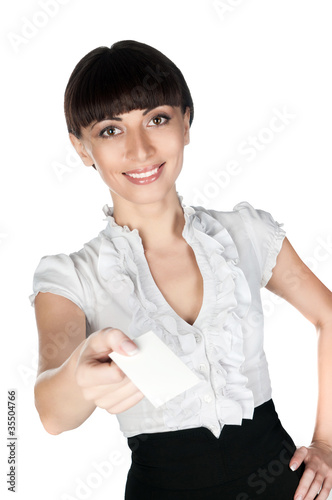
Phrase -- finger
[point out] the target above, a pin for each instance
(305, 483)
(298, 457)
(104, 341)
(120, 399)
(325, 491)
(95, 373)
(316, 486)
(126, 404)
(97, 392)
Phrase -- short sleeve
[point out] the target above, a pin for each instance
(58, 274)
(266, 235)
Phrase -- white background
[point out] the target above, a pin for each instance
(260, 56)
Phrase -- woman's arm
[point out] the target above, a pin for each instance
(293, 280)
(62, 332)
(75, 374)
(323, 426)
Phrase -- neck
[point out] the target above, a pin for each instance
(160, 224)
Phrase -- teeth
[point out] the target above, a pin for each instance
(146, 174)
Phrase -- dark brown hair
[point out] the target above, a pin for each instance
(129, 75)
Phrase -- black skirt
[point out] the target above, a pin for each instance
(247, 461)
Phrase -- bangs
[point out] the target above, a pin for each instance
(108, 82)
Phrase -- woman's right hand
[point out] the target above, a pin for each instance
(99, 378)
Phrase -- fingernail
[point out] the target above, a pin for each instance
(129, 347)
(294, 467)
(299, 497)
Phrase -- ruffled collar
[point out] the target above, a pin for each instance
(113, 229)
(122, 251)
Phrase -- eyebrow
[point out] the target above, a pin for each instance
(118, 119)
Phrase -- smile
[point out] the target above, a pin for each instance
(146, 174)
(145, 177)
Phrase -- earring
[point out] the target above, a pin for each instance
(93, 165)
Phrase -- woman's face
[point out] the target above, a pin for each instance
(124, 147)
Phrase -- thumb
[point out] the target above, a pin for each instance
(298, 458)
(104, 341)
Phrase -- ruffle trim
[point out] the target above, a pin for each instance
(273, 253)
(123, 265)
(272, 235)
(225, 333)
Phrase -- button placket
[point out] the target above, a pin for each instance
(198, 337)
(207, 398)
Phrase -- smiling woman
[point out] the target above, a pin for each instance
(191, 275)
(139, 148)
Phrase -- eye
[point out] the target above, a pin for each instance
(108, 132)
(159, 117)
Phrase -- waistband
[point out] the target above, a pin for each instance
(195, 458)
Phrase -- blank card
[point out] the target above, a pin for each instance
(157, 372)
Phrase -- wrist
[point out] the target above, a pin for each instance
(322, 443)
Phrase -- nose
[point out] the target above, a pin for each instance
(138, 146)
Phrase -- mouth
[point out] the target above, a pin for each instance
(142, 173)
(146, 175)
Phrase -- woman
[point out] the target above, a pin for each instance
(191, 275)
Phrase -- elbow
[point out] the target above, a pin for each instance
(46, 420)
(324, 324)
(50, 430)
(46, 415)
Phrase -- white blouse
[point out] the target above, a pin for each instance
(110, 280)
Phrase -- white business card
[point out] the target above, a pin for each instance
(157, 372)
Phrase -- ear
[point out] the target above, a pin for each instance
(186, 122)
(81, 151)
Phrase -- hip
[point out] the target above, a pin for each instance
(246, 459)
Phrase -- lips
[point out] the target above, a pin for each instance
(143, 170)
(146, 176)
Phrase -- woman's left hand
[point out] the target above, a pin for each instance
(317, 476)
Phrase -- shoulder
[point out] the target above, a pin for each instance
(85, 255)
(243, 216)
(256, 234)
(71, 275)
(78, 265)
(242, 206)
